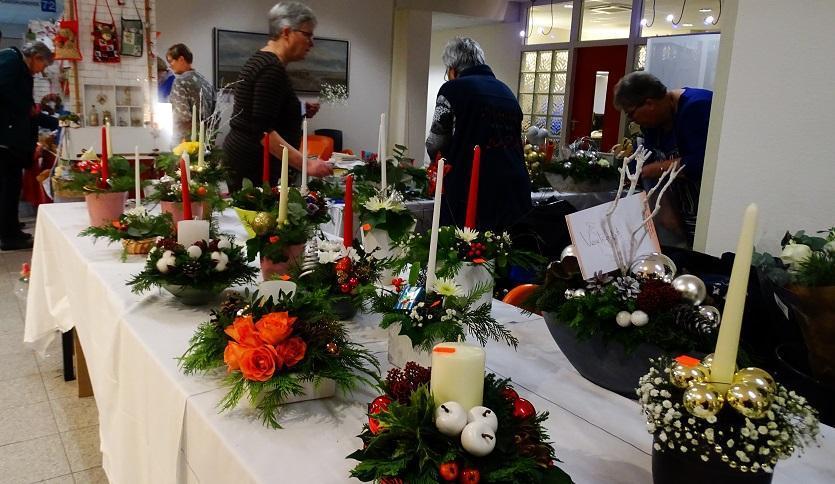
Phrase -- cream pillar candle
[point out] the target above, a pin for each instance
(191, 231)
(436, 222)
(727, 344)
(284, 189)
(109, 142)
(458, 374)
(304, 156)
(381, 153)
(201, 145)
(193, 122)
(271, 289)
(137, 182)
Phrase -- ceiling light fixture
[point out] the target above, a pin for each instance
(686, 25)
(670, 17)
(709, 20)
(644, 22)
(521, 33)
(705, 10)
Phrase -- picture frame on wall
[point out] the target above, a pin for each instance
(327, 61)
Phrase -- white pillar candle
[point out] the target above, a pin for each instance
(436, 222)
(191, 231)
(201, 144)
(458, 374)
(271, 289)
(727, 343)
(193, 122)
(136, 177)
(284, 188)
(109, 142)
(304, 155)
(381, 150)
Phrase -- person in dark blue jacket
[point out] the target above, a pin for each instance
(17, 108)
(674, 125)
(474, 108)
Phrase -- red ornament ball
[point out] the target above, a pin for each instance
(378, 405)
(343, 264)
(345, 288)
(470, 475)
(523, 409)
(448, 471)
(354, 282)
(510, 394)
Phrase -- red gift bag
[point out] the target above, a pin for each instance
(105, 39)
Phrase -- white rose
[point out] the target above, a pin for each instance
(603, 162)
(794, 254)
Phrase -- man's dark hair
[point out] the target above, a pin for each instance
(180, 50)
(636, 87)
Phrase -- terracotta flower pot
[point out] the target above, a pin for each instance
(104, 208)
(269, 268)
(176, 210)
(815, 307)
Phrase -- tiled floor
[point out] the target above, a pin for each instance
(47, 433)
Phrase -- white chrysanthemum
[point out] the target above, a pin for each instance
(466, 234)
(165, 179)
(328, 257)
(136, 211)
(447, 287)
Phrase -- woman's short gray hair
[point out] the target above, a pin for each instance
(463, 52)
(289, 14)
(38, 49)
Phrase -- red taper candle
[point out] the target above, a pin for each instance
(549, 151)
(472, 198)
(266, 174)
(186, 194)
(104, 171)
(348, 213)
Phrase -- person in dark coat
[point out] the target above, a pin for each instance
(17, 108)
(474, 108)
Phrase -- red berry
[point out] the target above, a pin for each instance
(345, 288)
(391, 480)
(523, 409)
(354, 282)
(470, 476)
(448, 471)
(509, 394)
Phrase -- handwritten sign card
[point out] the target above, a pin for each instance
(603, 243)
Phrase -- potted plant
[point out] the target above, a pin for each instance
(194, 274)
(409, 438)
(278, 351)
(385, 221)
(580, 168)
(251, 200)
(105, 185)
(208, 172)
(703, 432)
(402, 176)
(136, 229)
(168, 191)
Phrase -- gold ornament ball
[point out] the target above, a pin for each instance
(707, 361)
(703, 400)
(758, 377)
(261, 223)
(681, 375)
(748, 399)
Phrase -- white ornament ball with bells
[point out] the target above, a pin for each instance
(194, 252)
(450, 418)
(166, 260)
(223, 243)
(222, 260)
(478, 439)
(483, 415)
(639, 318)
(624, 319)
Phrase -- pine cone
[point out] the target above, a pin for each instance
(191, 269)
(230, 306)
(687, 317)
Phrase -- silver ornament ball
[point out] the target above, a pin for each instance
(711, 314)
(655, 265)
(569, 251)
(692, 288)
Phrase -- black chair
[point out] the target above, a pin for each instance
(334, 134)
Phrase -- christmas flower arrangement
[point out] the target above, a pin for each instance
(409, 438)
(401, 175)
(805, 260)
(85, 175)
(136, 228)
(210, 173)
(387, 213)
(647, 305)
(207, 266)
(272, 349)
(580, 166)
(256, 199)
(169, 188)
(443, 314)
(747, 428)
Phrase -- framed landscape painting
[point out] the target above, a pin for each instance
(326, 62)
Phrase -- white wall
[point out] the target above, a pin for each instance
(771, 124)
(502, 50)
(366, 24)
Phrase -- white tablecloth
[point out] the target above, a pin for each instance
(159, 426)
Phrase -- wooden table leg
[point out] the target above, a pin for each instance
(67, 353)
(85, 389)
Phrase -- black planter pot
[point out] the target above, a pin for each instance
(672, 467)
(344, 308)
(605, 365)
(794, 373)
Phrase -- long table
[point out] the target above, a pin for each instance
(159, 426)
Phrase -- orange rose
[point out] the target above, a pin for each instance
(258, 364)
(275, 327)
(243, 331)
(232, 356)
(291, 351)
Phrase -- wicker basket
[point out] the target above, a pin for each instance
(62, 193)
(138, 247)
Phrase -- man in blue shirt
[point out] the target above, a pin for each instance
(674, 124)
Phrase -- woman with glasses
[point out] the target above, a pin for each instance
(266, 103)
(674, 125)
